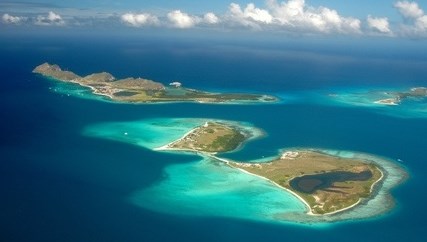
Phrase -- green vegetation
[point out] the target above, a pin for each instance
(139, 90)
(228, 142)
(212, 137)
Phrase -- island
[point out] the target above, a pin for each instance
(211, 138)
(140, 90)
(397, 97)
(327, 184)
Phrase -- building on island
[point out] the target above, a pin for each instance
(175, 84)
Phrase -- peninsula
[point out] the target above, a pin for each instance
(139, 90)
(327, 184)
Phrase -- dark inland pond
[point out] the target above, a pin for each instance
(312, 183)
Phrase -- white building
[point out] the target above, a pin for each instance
(175, 84)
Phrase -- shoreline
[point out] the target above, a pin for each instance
(247, 132)
(260, 99)
(308, 207)
(310, 210)
(167, 146)
(388, 102)
(227, 162)
(94, 91)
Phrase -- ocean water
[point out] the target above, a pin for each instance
(59, 184)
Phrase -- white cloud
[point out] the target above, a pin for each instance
(138, 20)
(51, 19)
(409, 9)
(380, 25)
(236, 15)
(176, 18)
(290, 16)
(296, 15)
(417, 20)
(253, 13)
(251, 16)
(421, 23)
(9, 19)
(182, 20)
(210, 18)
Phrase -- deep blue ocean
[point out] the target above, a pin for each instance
(59, 185)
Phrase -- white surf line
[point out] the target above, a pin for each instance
(94, 90)
(168, 145)
(373, 184)
(310, 212)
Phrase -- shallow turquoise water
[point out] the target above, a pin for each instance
(202, 188)
(211, 188)
(150, 134)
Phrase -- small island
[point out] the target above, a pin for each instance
(210, 138)
(327, 184)
(397, 97)
(139, 90)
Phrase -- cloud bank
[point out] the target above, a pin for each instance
(250, 16)
(50, 19)
(182, 20)
(297, 15)
(380, 25)
(210, 18)
(416, 25)
(138, 20)
(288, 16)
(9, 19)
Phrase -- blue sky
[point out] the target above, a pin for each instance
(385, 18)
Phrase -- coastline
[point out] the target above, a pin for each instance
(264, 178)
(215, 98)
(388, 102)
(310, 210)
(167, 146)
(95, 92)
(249, 132)
(308, 207)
